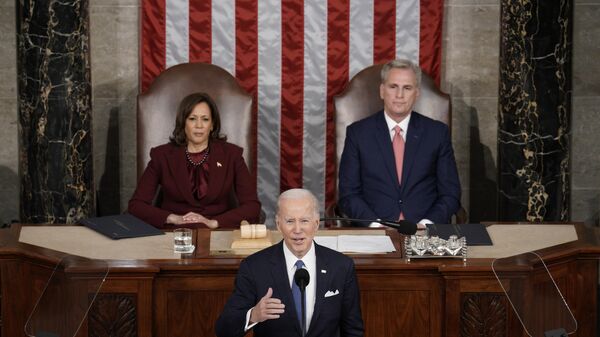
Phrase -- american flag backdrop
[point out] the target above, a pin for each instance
(294, 56)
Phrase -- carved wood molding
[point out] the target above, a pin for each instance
(113, 315)
(483, 315)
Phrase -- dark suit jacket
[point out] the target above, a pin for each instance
(337, 315)
(368, 183)
(228, 180)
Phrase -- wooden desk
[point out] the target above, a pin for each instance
(184, 296)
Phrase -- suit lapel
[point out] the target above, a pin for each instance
(178, 166)
(385, 145)
(322, 286)
(279, 273)
(413, 142)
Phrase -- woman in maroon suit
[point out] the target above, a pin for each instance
(199, 174)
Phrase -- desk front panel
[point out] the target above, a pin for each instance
(184, 297)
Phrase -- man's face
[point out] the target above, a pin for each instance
(298, 223)
(399, 93)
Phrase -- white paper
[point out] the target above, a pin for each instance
(327, 241)
(368, 244)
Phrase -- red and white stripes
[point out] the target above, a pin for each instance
(293, 56)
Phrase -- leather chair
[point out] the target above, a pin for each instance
(361, 99)
(157, 109)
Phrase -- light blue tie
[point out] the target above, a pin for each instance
(297, 294)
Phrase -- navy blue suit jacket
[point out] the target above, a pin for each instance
(368, 183)
(337, 315)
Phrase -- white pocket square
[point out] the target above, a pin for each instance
(332, 293)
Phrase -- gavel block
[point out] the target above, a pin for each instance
(251, 237)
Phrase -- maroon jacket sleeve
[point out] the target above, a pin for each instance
(140, 204)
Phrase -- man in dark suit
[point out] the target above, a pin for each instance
(398, 164)
(263, 298)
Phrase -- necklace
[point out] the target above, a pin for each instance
(187, 155)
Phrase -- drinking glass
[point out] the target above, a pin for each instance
(182, 239)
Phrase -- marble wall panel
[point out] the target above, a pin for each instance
(586, 34)
(54, 113)
(585, 162)
(115, 3)
(471, 29)
(535, 111)
(9, 176)
(114, 50)
(114, 149)
(470, 2)
(114, 46)
(474, 138)
(9, 179)
(585, 205)
(8, 52)
(471, 50)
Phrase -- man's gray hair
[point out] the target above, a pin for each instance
(299, 193)
(401, 64)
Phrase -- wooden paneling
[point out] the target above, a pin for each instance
(430, 298)
(113, 315)
(483, 315)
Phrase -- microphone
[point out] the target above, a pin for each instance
(403, 226)
(301, 278)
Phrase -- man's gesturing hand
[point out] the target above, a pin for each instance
(267, 308)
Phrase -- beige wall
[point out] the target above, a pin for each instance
(470, 75)
(9, 190)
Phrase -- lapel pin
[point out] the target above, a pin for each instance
(323, 271)
(219, 164)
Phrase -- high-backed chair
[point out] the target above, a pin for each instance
(361, 99)
(157, 107)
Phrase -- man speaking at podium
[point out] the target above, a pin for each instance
(267, 298)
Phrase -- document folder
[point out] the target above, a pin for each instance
(121, 226)
(475, 233)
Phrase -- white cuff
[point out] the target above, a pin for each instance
(425, 222)
(249, 326)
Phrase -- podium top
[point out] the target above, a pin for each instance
(78, 240)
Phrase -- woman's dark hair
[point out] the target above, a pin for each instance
(185, 109)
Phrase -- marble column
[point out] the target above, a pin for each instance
(55, 148)
(535, 110)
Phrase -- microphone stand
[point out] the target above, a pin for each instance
(403, 226)
(302, 292)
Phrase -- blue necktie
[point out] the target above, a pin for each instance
(296, 292)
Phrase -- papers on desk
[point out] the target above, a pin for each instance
(363, 244)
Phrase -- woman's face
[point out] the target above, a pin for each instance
(198, 126)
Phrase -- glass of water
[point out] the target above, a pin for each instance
(182, 239)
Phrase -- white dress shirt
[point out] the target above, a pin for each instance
(391, 124)
(310, 264)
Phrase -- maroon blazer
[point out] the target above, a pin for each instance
(228, 180)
